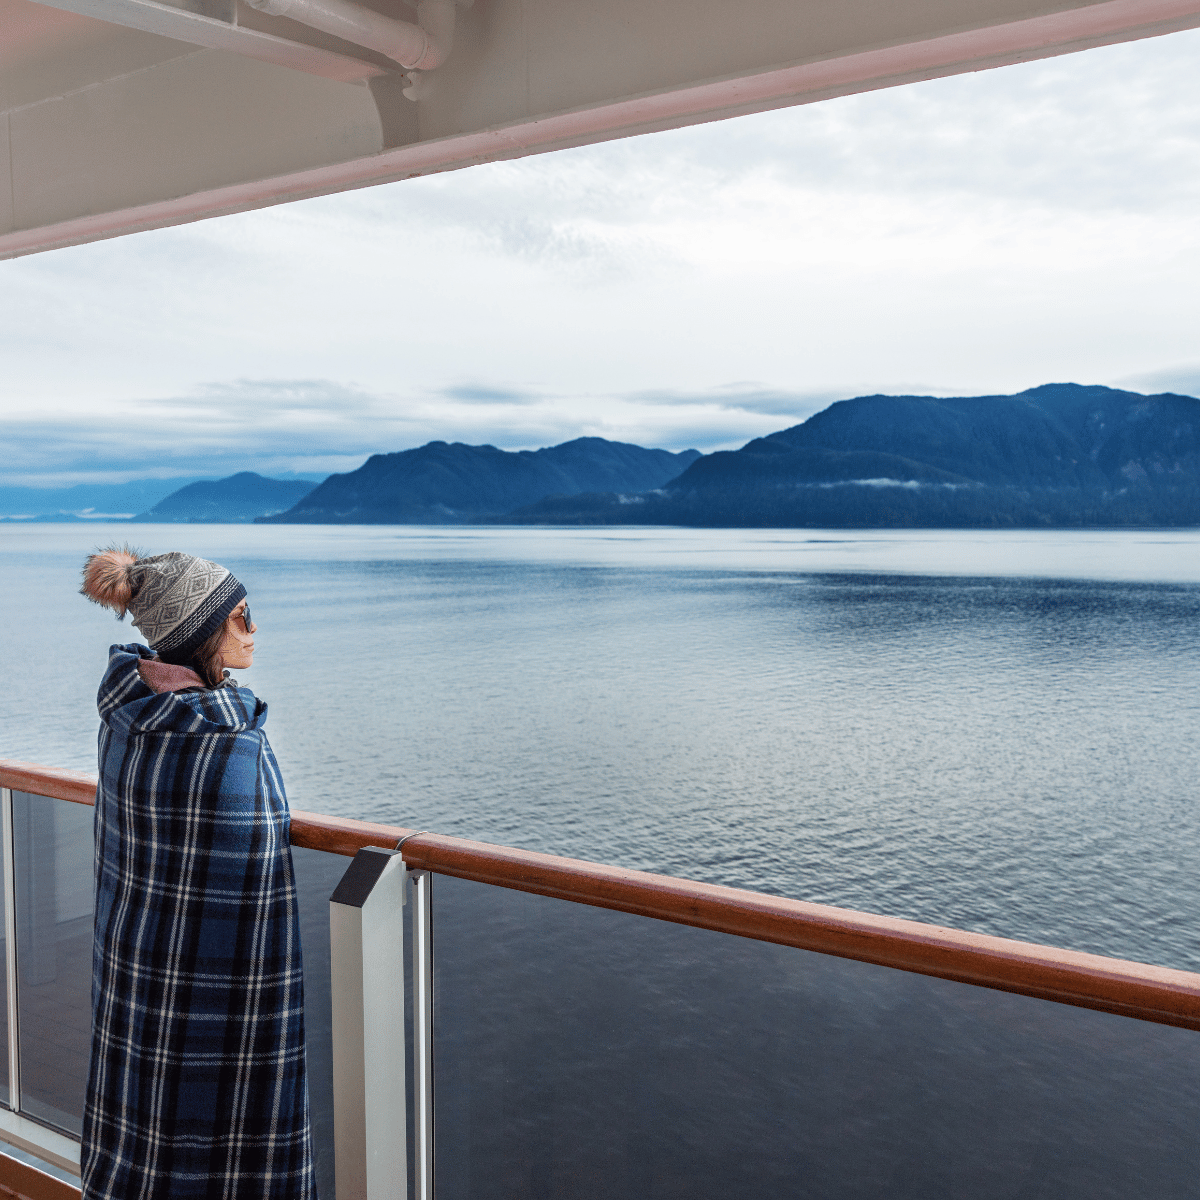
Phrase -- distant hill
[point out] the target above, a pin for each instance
(93, 501)
(236, 499)
(446, 483)
(1057, 455)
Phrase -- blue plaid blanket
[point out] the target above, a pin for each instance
(197, 1085)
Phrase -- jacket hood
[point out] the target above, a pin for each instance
(128, 706)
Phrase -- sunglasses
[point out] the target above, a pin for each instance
(246, 618)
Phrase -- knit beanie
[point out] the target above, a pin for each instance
(178, 602)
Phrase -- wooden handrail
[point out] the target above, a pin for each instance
(76, 786)
(1131, 989)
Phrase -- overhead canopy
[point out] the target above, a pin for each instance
(120, 115)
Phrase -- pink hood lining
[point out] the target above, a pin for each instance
(167, 677)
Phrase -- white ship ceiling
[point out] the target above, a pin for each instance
(120, 115)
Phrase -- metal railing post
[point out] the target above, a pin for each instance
(422, 976)
(366, 935)
(10, 949)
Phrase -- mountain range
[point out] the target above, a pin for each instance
(1056, 455)
(451, 483)
(1060, 454)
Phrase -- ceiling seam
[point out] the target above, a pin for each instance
(99, 83)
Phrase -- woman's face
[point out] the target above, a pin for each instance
(237, 646)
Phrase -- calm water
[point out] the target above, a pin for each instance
(991, 731)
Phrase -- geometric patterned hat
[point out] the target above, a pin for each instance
(177, 601)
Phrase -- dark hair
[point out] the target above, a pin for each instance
(206, 659)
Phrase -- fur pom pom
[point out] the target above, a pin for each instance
(107, 577)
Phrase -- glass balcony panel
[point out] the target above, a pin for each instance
(587, 1054)
(54, 871)
(54, 876)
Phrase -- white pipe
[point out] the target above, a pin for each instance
(419, 47)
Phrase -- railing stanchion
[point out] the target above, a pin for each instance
(366, 951)
(422, 952)
(10, 949)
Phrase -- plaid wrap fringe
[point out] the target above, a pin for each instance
(197, 1085)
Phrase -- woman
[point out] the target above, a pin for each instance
(197, 1085)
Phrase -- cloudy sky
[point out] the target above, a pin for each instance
(697, 288)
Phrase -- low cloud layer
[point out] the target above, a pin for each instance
(309, 426)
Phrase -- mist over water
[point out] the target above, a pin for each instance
(990, 731)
